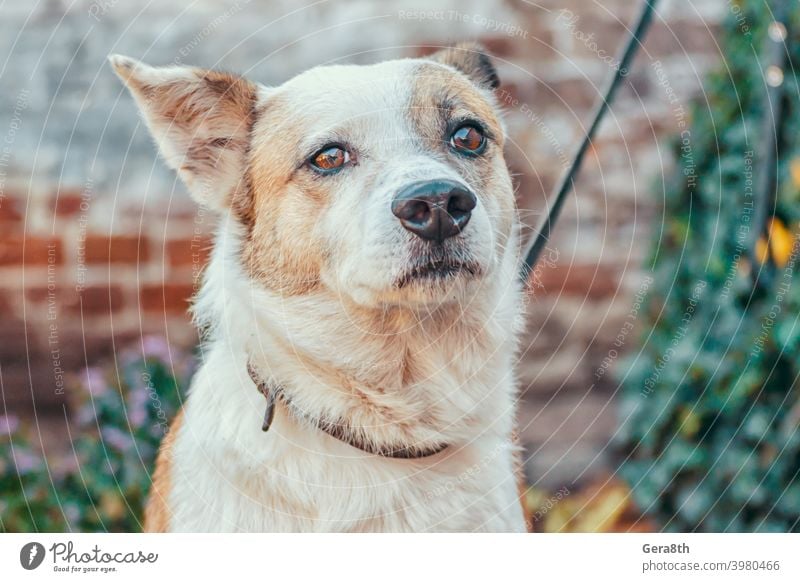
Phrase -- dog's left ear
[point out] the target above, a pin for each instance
(470, 58)
(200, 120)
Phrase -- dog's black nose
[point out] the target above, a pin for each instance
(434, 210)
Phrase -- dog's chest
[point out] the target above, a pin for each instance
(227, 475)
(249, 481)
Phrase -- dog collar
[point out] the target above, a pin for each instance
(338, 430)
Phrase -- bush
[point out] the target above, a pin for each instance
(710, 409)
(118, 418)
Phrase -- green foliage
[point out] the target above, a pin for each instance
(710, 408)
(25, 492)
(118, 419)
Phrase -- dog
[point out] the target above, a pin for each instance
(361, 305)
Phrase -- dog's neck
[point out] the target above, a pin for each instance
(402, 375)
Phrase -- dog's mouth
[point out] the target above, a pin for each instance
(438, 270)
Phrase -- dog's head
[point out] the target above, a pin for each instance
(385, 184)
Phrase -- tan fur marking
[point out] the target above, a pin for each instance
(440, 94)
(283, 254)
(157, 511)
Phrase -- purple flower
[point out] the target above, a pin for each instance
(8, 425)
(137, 406)
(26, 461)
(73, 513)
(86, 415)
(116, 438)
(96, 383)
(155, 346)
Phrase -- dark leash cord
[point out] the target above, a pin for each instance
(568, 181)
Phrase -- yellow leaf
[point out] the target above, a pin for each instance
(604, 510)
(112, 505)
(560, 518)
(534, 498)
(794, 170)
(690, 422)
(781, 242)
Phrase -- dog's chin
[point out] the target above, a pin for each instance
(438, 267)
(435, 280)
(437, 274)
(423, 286)
(430, 275)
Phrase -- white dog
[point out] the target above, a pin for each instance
(361, 302)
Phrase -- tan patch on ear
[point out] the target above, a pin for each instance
(157, 512)
(201, 121)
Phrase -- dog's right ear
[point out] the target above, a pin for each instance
(471, 59)
(200, 120)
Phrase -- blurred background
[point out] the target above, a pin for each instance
(101, 248)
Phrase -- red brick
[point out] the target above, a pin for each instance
(6, 305)
(166, 298)
(500, 46)
(12, 342)
(188, 251)
(176, 209)
(36, 294)
(10, 209)
(687, 40)
(67, 203)
(116, 249)
(606, 35)
(95, 300)
(568, 93)
(16, 249)
(513, 95)
(22, 380)
(590, 281)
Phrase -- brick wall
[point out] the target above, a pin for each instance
(100, 245)
(73, 293)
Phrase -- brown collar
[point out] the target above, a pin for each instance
(338, 430)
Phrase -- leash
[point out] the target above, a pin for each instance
(536, 246)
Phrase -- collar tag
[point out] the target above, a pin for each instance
(269, 395)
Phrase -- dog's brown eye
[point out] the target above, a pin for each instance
(330, 159)
(468, 139)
